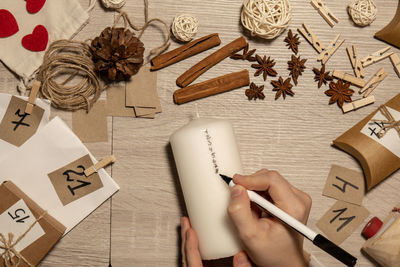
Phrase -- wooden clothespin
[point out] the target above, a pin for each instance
(358, 103)
(32, 97)
(349, 78)
(355, 61)
(311, 38)
(326, 54)
(394, 58)
(376, 56)
(324, 11)
(101, 164)
(375, 80)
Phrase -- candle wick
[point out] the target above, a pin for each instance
(196, 109)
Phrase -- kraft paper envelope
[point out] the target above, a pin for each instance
(54, 147)
(5, 147)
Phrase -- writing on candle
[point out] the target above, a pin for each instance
(212, 152)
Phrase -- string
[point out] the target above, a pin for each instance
(71, 59)
(127, 21)
(388, 124)
(8, 245)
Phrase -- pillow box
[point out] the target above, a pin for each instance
(379, 157)
(52, 230)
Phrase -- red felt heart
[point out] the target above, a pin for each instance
(37, 41)
(8, 24)
(34, 6)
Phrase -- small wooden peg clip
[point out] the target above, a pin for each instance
(311, 38)
(101, 164)
(326, 54)
(324, 11)
(358, 103)
(394, 58)
(349, 78)
(32, 97)
(376, 56)
(375, 80)
(355, 61)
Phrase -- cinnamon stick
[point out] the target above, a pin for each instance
(194, 72)
(212, 87)
(185, 51)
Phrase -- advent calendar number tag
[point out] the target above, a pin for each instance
(17, 219)
(341, 220)
(16, 126)
(71, 183)
(345, 184)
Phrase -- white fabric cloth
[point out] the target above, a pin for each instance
(62, 20)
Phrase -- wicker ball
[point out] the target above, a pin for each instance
(184, 27)
(362, 12)
(266, 18)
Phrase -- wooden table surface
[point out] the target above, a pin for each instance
(293, 136)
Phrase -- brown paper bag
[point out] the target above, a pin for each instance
(34, 252)
(376, 160)
(385, 247)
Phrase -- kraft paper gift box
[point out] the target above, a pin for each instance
(37, 230)
(378, 156)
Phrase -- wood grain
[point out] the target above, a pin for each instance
(293, 136)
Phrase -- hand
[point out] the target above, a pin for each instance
(266, 240)
(190, 249)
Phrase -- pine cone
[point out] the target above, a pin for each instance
(117, 54)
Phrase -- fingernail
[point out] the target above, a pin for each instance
(242, 260)
(236, 191)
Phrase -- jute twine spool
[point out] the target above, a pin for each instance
(266, 18)
(69, 59)
(362, 12)
(113, 3)
(72, 60)
(8, 245)
(184, 27)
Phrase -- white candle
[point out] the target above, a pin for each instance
(203, 149)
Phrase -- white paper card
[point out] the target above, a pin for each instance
(7, 148)
(53, 147)
(17, 219)
(391, 139)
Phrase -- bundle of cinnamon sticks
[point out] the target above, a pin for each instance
(207, 88)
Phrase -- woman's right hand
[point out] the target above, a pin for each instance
(267, 241)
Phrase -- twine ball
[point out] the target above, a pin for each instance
(184, 27)
(266, 18)
(362, 12)
(114, 4)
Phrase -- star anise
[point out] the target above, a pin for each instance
(247, 55)
(296, 67)
(339, 92)
(282, 87)
(264, 66)
(292, 42)
(255, 92)
(321, 76)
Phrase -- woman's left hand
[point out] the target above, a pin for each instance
(190, 249)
